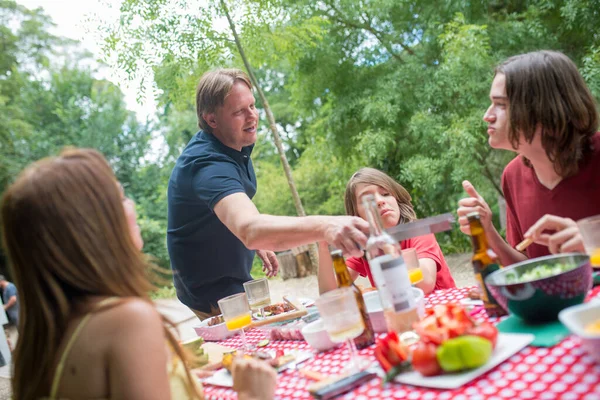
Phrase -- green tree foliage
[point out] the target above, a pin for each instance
(397, 85)
(49, 100)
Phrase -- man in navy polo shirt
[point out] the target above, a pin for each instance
(213, 226)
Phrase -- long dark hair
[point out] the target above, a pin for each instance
(65, 232)
(544, 88)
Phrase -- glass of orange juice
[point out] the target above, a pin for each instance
(590, 233)
(412, 265)
(236, 313)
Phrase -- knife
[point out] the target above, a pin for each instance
(420, 227)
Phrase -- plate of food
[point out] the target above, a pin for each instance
(214, 329)
(277, 359)
(273, 309)
(447, 349)
(507, 345)
(208, 356)
(291, 308)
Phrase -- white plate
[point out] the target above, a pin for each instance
(223, 378)
(506, 345)
(306, 302)
(214, 333)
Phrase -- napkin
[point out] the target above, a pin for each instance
(547, 334)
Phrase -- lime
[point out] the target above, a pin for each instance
(464, 352)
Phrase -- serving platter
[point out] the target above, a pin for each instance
(507, 345)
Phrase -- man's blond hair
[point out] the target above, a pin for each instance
(213, 88)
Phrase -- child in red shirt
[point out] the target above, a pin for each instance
(395, 207)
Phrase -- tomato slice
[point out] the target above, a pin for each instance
(424, 359)
(460, 314)
(485, 330)
(428, 323)
(398, 352)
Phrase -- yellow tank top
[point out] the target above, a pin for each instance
(180, 386)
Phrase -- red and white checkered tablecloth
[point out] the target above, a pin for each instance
(560, 372)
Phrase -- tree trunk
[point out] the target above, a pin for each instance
(314, 255)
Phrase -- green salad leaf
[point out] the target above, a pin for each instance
(538, 272)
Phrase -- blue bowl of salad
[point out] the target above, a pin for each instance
(537, 290)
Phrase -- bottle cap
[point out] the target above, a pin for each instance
(473, 214)
(335, 252)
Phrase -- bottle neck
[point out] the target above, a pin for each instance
(478, 237)
(342, 274)
(373, 217)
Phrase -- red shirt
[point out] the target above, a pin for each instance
(426, 247)
(527, 200)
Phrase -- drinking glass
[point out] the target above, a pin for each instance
(590, 233)
(236, 314)
(258, 294)
(342, 319)
(412, 265)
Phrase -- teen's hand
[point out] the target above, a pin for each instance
(566, 237)
(471, 204)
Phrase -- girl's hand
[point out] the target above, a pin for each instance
(253, 379)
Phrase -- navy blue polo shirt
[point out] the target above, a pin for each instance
(208, 261)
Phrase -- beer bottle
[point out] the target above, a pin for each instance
(485, 261)
(344, 279)
(389, 272)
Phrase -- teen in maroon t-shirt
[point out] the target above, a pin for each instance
(395, 207)
(527, 200)
(542, 110)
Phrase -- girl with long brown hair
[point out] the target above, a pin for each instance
(87, 326)
(395, 207)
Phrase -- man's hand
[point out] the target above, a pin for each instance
(567, 237)
(270, 262)
(348, 234)
(472, 204)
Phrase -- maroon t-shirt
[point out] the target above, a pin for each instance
(527, 200)
(426, 247)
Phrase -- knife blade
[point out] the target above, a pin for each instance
(420, 227)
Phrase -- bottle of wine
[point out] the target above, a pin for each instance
(344, 279)
(485, 261)
(389, 272)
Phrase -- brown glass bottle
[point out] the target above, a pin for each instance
(485, 261)
(342, 275)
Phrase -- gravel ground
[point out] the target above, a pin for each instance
(5, 389)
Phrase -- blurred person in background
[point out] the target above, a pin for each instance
(10, 300)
